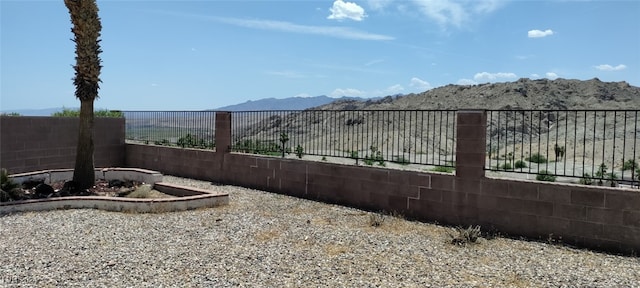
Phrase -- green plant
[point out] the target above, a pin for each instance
(602, 170)
(324, 158)
(443, 169)
(6, 183)
(586, 179)
(506, 166)
(536, 158)
(465, 236)
(544, 175)
(66, 112)
(376, 156)
(192, 141)
(520, 164)
(611, 179)
(10, 114)
(284, 138)
(299, 151)
(402, 161)
(163, 142)
(629, 165)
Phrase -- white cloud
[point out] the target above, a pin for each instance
(466, 82)
(346, 10)
(378, 4)
(488, 77)
(607, 67)
(350, 92)
(444, 12)
(303, 95)
(331, 31)
(286, 74)
(535, 76)
(419, 84)
(539, 33)
(395, 89)
(455, 12)
(551, 75)
(373, 62)
(487, 6)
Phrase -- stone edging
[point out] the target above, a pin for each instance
(188, 198)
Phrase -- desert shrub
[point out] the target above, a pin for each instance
(602, 170)
(520, 164)
(443, 169)
(611, 179)
(163, 142)
(6, 183)
(629, 165)
(586, 179)
(66, 112)
(544, 175)
(465, 236)
(284, 138)
(324, 158)
(376, 219)
(376, 156)
(299, 151)
(506, 166)
(192, 141)
(402, 161)
(537, 158)
(258, 147)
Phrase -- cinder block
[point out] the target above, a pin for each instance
(573, 212)
(631, 218)
(604, 216)
(587, 197)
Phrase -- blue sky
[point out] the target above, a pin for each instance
(193, 55)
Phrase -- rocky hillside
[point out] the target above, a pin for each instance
(559, 94)
(588, 138)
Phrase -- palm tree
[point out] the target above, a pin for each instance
(86, 30)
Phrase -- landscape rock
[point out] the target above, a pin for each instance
(43, 191)
(4, 196)
(32, 183)
(116, 183)
(69, 188)
(17, 194)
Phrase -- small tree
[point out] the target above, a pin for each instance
(86, 30)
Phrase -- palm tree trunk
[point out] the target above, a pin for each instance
(84, 174)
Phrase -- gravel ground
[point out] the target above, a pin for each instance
(267, 240)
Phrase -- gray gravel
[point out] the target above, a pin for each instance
(268, 240)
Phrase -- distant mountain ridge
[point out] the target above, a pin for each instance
(558, 94)
(291, 103)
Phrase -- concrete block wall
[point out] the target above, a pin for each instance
(588, 216)
(40, 143)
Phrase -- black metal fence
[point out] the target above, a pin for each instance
(195, 129)
(371, 136)
(596, 146)
(592, 146)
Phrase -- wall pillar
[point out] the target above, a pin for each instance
(471, 133)
(223, 132)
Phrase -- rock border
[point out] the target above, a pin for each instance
(188, 198)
